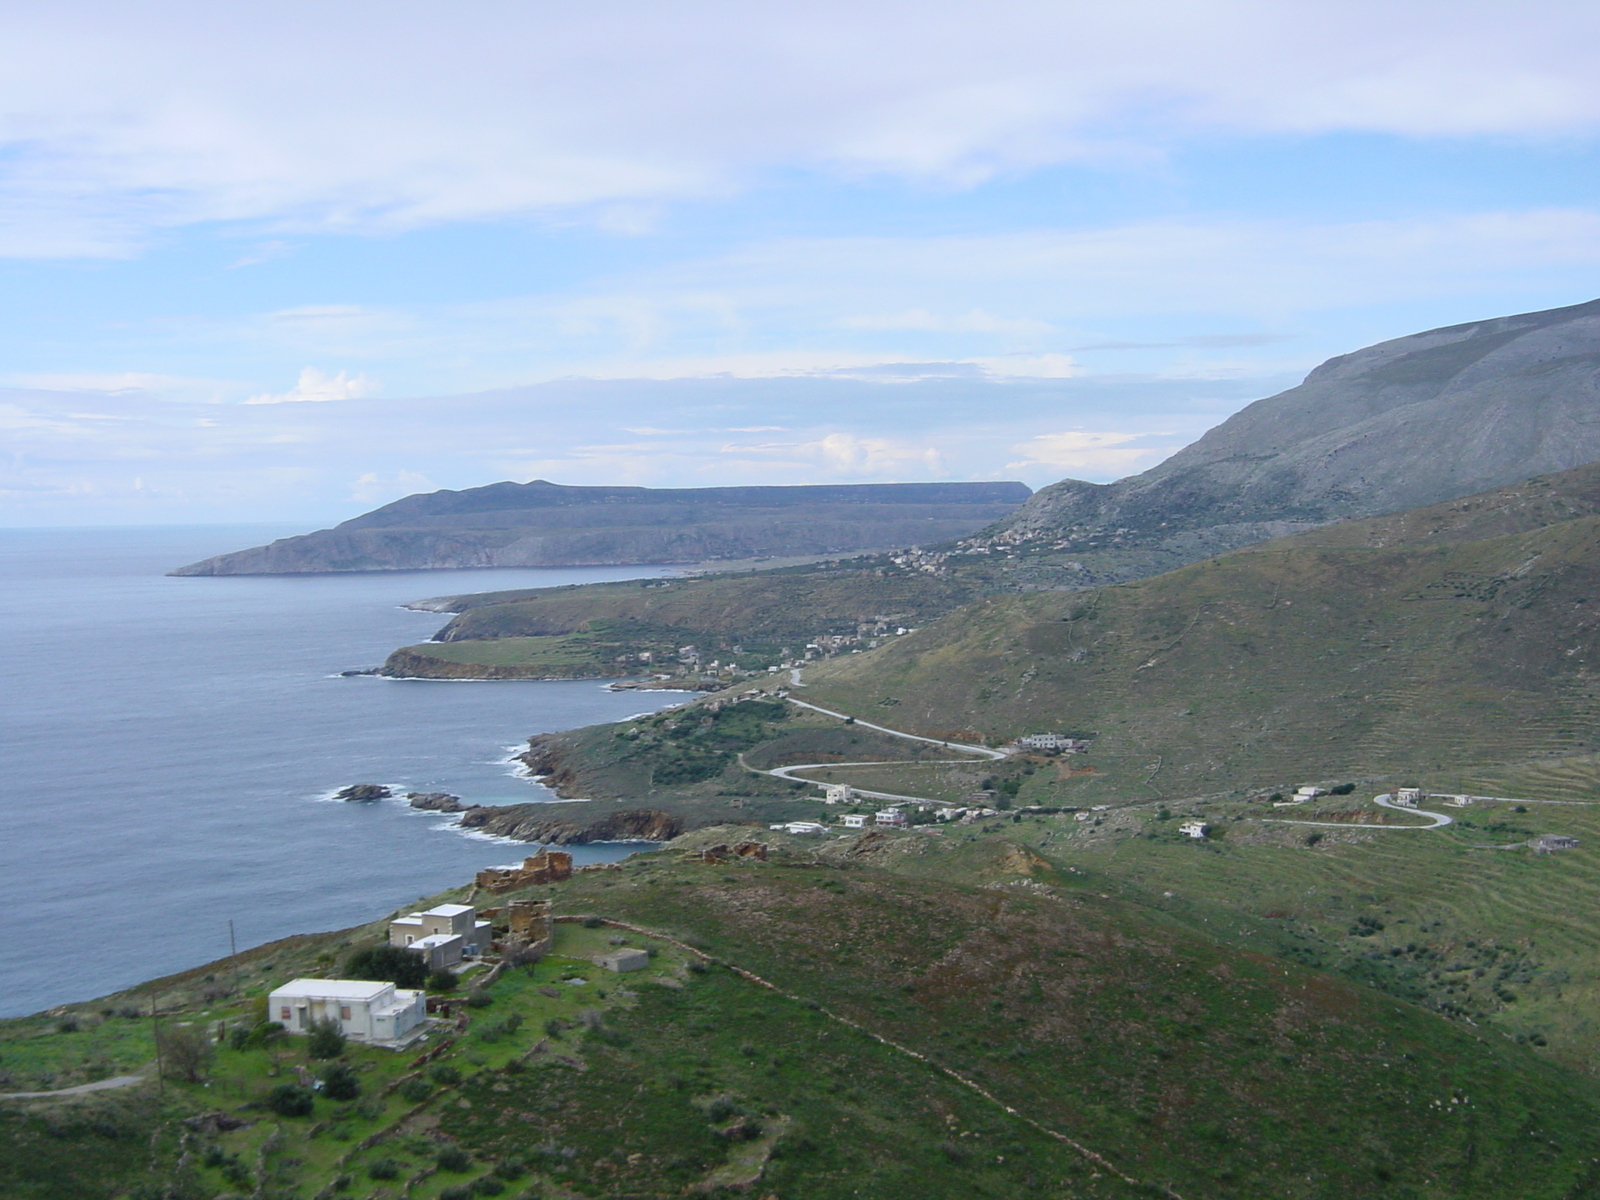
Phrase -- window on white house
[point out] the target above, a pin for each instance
(344, 1012)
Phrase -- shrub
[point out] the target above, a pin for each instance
(383, 1168)
(443, 981)
(453, 1158)
(444, 1075)
(326, 1040)
(1344, 789)
(185, 1052)
(459, 1191)
(511, 1168)
(415, 1091)
(478, 998)
(391, 964)
(291, 1100)
(339, 1082)
(488, 1186)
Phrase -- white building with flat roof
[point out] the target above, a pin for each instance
(365, 1010)
(443, 935)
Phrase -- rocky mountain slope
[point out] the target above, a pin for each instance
(543, 524)
(1404, 423)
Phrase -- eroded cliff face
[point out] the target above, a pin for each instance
(537, 823)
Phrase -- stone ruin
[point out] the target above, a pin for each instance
(547, 866)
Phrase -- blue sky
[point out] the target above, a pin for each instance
(288, 262)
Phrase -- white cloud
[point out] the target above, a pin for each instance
(316, 387)
(120, 120)
(371, 487)
(1078, 449)
(975, 321)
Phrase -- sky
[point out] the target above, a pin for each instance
(288, 262)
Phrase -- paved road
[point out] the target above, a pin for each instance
(1384, 801)
(101, 1085)
(983, 752)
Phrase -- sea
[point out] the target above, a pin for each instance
(171, 747)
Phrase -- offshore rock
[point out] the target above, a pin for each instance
(363, 791)
(436, 802)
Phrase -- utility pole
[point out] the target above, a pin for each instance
(155, 1026)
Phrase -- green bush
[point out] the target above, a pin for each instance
(415, 1091)
(391, 964)
(453, 1158)
(326, 1039)
(339, 1082)
(478, 998)
(444, 1075)
(291, 1100)
(383, 1168)
(443, 981)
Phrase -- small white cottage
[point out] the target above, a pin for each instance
(365, 1010)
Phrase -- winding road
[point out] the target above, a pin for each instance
(983, 753)
(1439, 821)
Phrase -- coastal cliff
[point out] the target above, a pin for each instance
(534, 823)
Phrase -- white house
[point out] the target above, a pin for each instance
(365, 1011)
(443, 935)
(1309, 792)
(1194, 827)
(890, 816)
(1409, 796)
(800, 827)
(854, 820)
(838, 793)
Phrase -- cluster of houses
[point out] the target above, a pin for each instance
(384, 1014)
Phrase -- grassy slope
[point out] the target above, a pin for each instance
(1189, 1065)
(1288, 660)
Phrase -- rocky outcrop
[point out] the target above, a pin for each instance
(535, 823)
(543, 524)
(363, 791)
(436, 802)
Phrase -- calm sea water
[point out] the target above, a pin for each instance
(170, 744)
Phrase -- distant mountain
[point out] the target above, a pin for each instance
(1404, 423)
(542, 524)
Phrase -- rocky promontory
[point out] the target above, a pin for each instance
(534, 823)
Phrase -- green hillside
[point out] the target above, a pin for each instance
(1392, 646)
(884, 1016)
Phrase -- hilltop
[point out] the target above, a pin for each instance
(542, 524)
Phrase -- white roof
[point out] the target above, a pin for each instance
(437, 939)
(334, 989)
(450, 910)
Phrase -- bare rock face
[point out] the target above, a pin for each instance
(363, 791)
(1414, 421)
